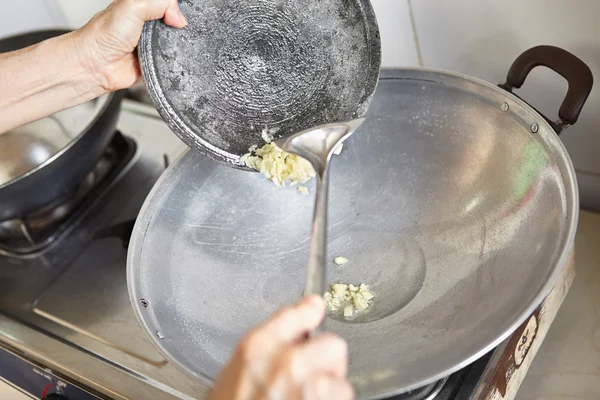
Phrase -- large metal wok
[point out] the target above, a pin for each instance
(455, 201)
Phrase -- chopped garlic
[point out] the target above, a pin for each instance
(279, 166)
(338, 150)
(348, 299)
(348, 311)
(339, 260)
(266, 136)
(360, 302)
(303, 190)
(339, 288)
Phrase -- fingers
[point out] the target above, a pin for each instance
(317, 368)
(326, 354)
(293, 323)
(174, 16)
(277, 361)
(148, 10)
(325, 387)
(286, 326)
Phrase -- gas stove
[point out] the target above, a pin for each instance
(67, 326)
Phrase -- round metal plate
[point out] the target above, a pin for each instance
(241, 67)
(456, 214)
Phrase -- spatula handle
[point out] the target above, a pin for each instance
(316, 274)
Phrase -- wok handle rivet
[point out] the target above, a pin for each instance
(144, 302)
(535, 128)
(160, 335)
(504, 106)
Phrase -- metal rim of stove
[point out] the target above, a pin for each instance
(437, 389)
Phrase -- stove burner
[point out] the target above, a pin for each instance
(35, 232)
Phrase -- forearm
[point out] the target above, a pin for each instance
(42, 79)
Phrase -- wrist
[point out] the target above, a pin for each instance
(77, 48)
(67, 67)
(46, 77)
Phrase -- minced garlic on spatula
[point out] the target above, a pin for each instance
(279, 166)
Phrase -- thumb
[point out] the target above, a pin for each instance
(149, 10)
(173, 15)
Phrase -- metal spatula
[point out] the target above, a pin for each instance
(317, 145)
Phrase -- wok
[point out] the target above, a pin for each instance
(455, 200)
(45, 160)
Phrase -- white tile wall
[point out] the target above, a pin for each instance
(397, 39)
(482, 38)
(79, 12)
(26, 15)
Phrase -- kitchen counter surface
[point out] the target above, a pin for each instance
(567, 366)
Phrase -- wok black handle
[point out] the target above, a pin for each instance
(576, 72)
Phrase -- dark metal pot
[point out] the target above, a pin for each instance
(46, 160)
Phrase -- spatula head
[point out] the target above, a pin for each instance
(318, 144)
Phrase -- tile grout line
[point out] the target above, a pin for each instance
(413, 25)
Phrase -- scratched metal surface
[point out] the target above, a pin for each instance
(450, 208)
(241, 66)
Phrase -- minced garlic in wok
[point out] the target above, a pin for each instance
(348, 299)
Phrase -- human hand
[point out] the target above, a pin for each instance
(106, 44)
(275, 361)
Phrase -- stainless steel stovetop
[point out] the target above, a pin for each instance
(66, 309)
(71, 307)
